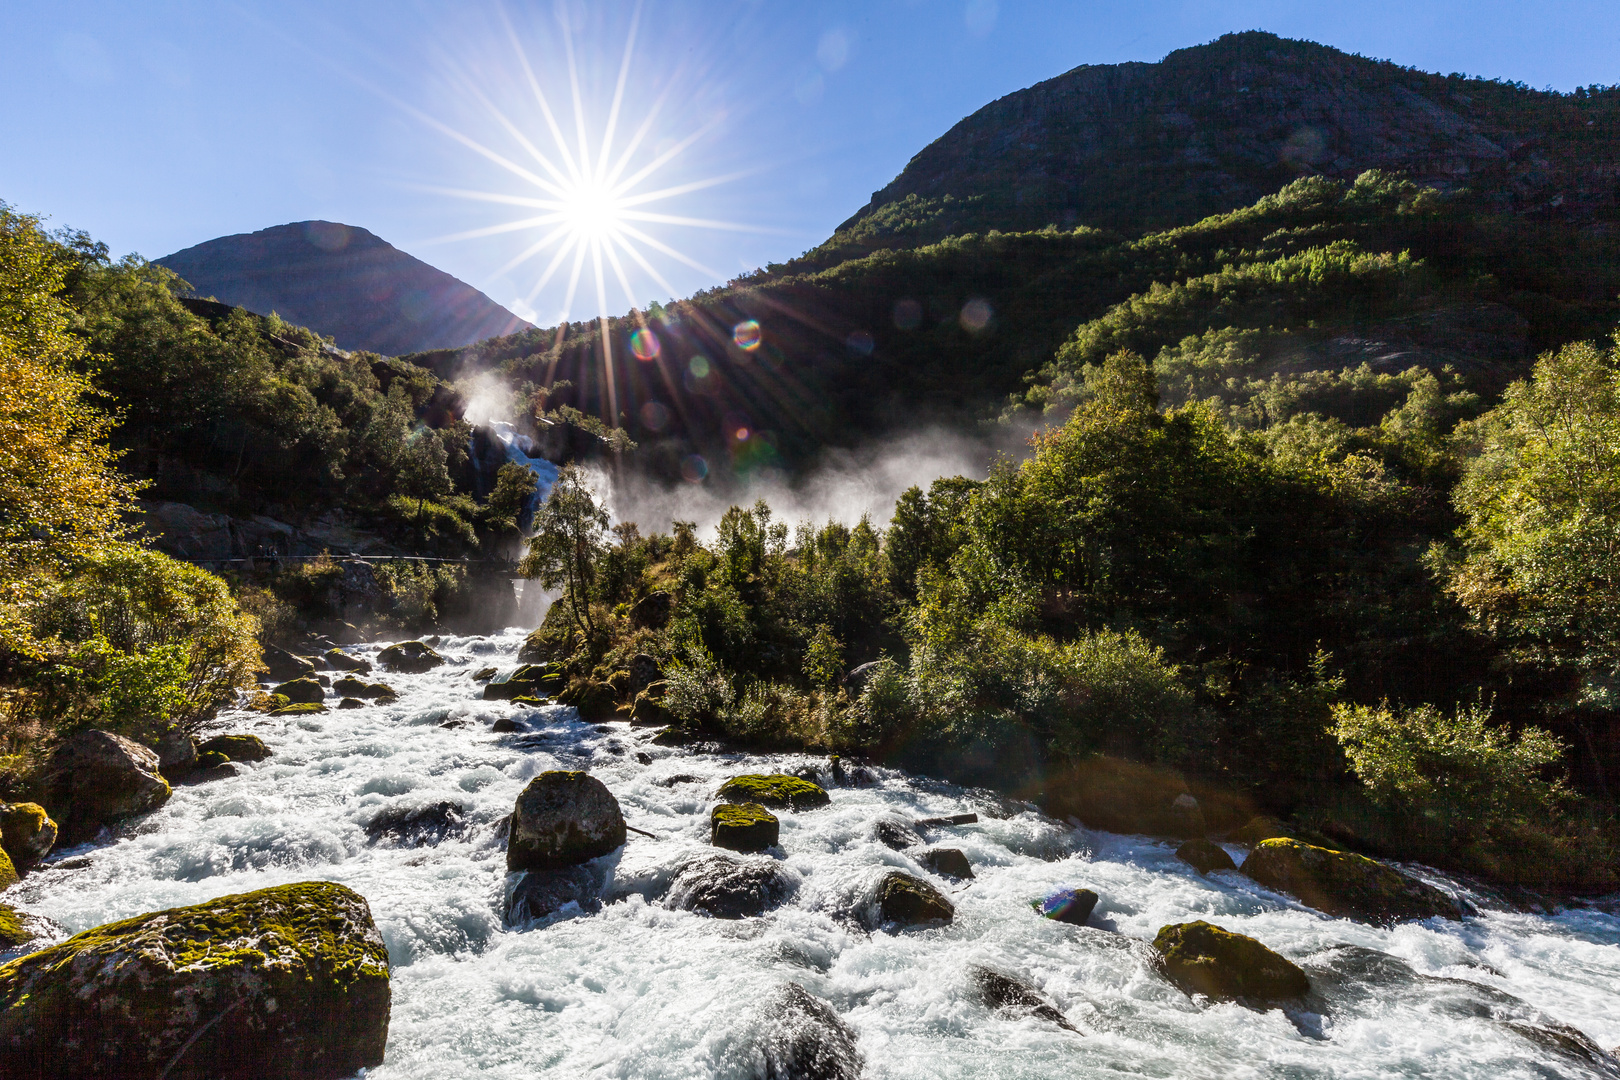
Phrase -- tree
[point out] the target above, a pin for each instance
(569, 539)
(514, 485)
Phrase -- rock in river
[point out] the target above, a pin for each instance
(807, 1040)
(236, 747)
(97, 778)
(302, 692)
(776, 791)
(410, 657)
(905, 900)
(1346, 885)
(1204, 959)
(27, 833)
(743, 827)
(1205, 856)
(729, 888)
(286, 983)
(1005, 994)
(1072, 906)
(562, 819)
(947, 862)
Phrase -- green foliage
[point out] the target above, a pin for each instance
(568, 543)
(823, 657)
(417, 590)
(514, 485)
(140, 695)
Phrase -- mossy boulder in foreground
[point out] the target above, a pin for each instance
(288, 983)
(777, 791)
(411, 657)
(1346, 885)
(910, 901)
(27, 833)
(1204, 959)
(743, 827)
(563, 818)
(236, 747)
(97, 778)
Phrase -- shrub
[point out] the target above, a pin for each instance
(697, 690)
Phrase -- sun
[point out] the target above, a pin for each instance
(592, 212)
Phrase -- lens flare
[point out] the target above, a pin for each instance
(747, 335)
(654, 416)
(694, 468)
(907, 314)
(644, 343)
(976, 315)
(699, 367)
(860, 342)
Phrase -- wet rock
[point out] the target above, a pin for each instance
(306, 691)
(1567, 1042)
(1008, 995)
(1073, 906)
(729, 888)
(905, 900)
(505, 724)
(947, 862)
(177, 755)
(778, 791)
(27, 833)
(1349, 886)
(212, 759)
(283, 665)
(1205, 959)
(746, 827)
(643, 758)
(419, 826)
(807, 1040)
(222, 770)
(539, 894)
(349, 686)
(594, 699)
(22, 932)
(652, 611)
(287, 983)
(409, 657)
(338, 660)
(236, 747)
(530, 680)
(351, 703)
(891, 832)
(1205, 856)
(97, 778)
(484, 674)
(301, 709)
(562, 819)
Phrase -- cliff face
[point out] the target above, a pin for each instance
(345, 282)
(1136, 146)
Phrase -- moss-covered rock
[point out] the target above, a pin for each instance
(529, 701)
(97, 778)
(307, 691)
(177, 755)
(288, 983)
(303, 709)
(1346, 885)
(8, 872)
(648, 707)
(212, 759)
(1261, 828)
(1205, 959)
(947, 862)
(529, 680)
(905, 900)
(778, 791)
(410, 657)
(351, 703)
(563, 818)
(1205, 856)
(338, 660)
(743, 827)
(27, 833)
(594, 699)
(14, 929)
(237, 747)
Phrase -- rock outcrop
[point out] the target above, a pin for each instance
(562, 819)
(409, 657)
(27, 833)
(1205, 959)
(96, 779)
(906, 900)
(806, 1040)
(1009, 996)
(287, 983)
(777, 791)
(1349, 886)
(729, 888)
(745, 827)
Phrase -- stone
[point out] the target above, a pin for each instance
(237, 747)
(745, 827)
(8, 871)
(648, 708)
(302, 709)
(210, 760)
(282, 665)
(948, 862)
(409, 657)
(305, 691)
(1205, 856)
(652, 611)
(22, 932)
(97, 779)
(527, 681)
(539, 894)
(1126, 797)
(418, 826)
(222, 769)
(349, 686)
(806, 1040)
(177, 755)
(1345, 885)
(644, 672)
(338, 660)
(286, 983)
(1007, 995)
(777, 791)
(1261, 828)
(505, 724)
(1072, 906)
(594, 699)
(351, 703)
(855, 682)
(727, 887)
(562, 819)
(484, 674)
(1187, 817)
(905, 900)
(893, 833)
(1205, 959)
(27, 833)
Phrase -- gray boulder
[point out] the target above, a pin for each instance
(1004, 994)
(906, 900)
(947, 862)
(806, 1040)
(177, 755)
(410, 657)
(562, 819)
(729, 888)
(96, 779)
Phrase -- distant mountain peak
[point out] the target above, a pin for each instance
(345, 282)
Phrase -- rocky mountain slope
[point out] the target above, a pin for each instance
(344, 282)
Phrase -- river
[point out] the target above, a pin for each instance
(639, 990)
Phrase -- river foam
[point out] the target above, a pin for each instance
(639, 990)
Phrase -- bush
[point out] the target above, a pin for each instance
(697, 691)
(416, 590)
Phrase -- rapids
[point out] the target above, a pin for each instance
(638, 990)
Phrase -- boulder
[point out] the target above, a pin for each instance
(27, 833)
(806, 1040)
(947, 862)
(286, 983)
(97, 778)
(236, 747)
(530, 680)
(652, 611)
(8, 871)
(728, 888)
(855, 682)
(1126, 797)
(644, 672)
(594, 699)
(351, 703)
(1349, 886)
(1205, 856)
(745, 827)
(893, 833)
(539, 894)
(905, 900)
(418, 826)
(409, 657)
(338, 660)
(484, 674)
(305, 691)
(1007, 995)
(1204, 959)
(22, 932)
(210, 760)
(349, 686)
(562, 819)
(301, 709)
(1071, 906)
(505, 724)
(1261, 828)
(777, 791)
(648, 708)
(177, 755)
(282, 665)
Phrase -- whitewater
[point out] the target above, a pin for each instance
(641, 990)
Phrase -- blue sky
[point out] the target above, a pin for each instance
(159, 125)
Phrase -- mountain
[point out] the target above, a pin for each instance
(1207, 129)
(344, 282)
